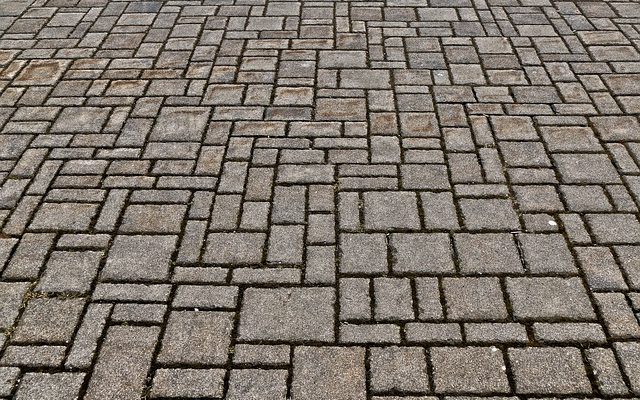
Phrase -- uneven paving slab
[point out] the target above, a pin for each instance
(319, 200)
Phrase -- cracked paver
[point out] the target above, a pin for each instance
(346, 200)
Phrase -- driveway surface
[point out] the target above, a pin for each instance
(319, 200)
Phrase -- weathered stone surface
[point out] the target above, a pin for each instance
(294, 199)
(287, 314)
(335, 372)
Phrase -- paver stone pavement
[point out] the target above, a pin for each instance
(314, 200)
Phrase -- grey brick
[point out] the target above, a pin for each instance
(393, 299)
(546, 254)
(475, 370)
(139, 258)
(11, 297)
(487, 253)
(61, 385)
(257, 384)
(617, 316)
(607, 374)
(70, 272)
(402, 369)
(363, 253)
(543, 299)
(549, 370)
(234, 248)
(391, 211)
(48, 321)
(123, 363)
(474, 299)
(188, 383)
(421, 253)
(317, 373)
(289, 314)
(628, 356)
(196, 338)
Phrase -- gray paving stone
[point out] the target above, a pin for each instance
(546, 254)
(494, 214)
(391, 211)
(139, 258)
(61, 385)
(188, 383)
(181, 124)
(474, 299)
(80, 120)
(487, 253)
(261, 354)
(393, 299)
(402, 369)
(608, 376)
(317, 373)
(64, 217)
(614, 228)
(628, 356)
(234, 248)
(586, 168)
(257, 384)
(287, 314)
(421, 253)
(548, 370)
(123, 363)
(8, 378)
(70, 272)
(11, 297)
(549, 299)
(363, 253)
(33, 356)
(153, 218)
(48, 321)
(196, 338)
(216, 184)
(477, 370)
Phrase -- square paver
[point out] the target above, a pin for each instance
(196, 338)
(70, 272)
(489, 214)
(474, 299)
(48, 321)
(363, 253)
(287, 314)
(421, 253)
(180, 124)
(319, 373)
(549, 371)
(153, 218)
(391, 211)
(398, 369)
(139, 258)
(235, 248)
(549, 299)
(487, 253)
(477, 370)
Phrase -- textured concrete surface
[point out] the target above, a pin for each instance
(319, 200)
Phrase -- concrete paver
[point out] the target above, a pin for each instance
(358, 200)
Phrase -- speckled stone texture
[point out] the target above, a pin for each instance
(319, 200)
